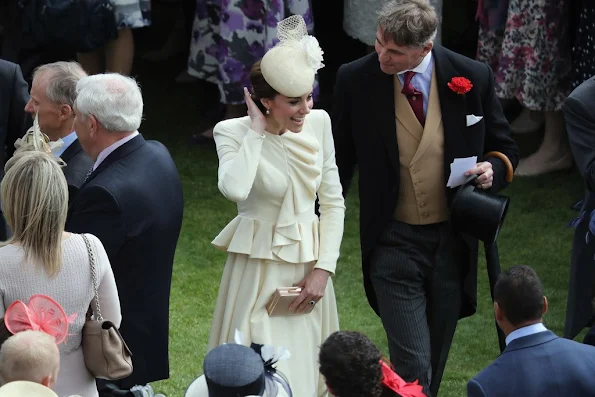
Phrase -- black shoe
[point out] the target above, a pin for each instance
(107, 389)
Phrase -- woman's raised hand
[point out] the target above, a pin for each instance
(259, 122)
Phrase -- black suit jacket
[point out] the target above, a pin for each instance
(365, 135)
(133, 203)
(14, 95)
(579, 112)
(541, 365)
(78, 164)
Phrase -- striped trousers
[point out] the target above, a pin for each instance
(415, 273)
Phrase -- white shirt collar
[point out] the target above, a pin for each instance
(64, 143)
(525, 331)
(423, 65)
(108, 150)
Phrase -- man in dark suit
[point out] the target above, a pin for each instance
(53, 92)
(535, 362)
(13, 119)
(579, 113)
(402, 115)
(132, 201)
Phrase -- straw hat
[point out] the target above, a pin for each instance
(23, 388)
(291, 65)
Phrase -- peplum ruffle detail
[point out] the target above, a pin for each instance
(290, 238)
(254, 237)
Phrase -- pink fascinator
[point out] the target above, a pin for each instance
(41, 313)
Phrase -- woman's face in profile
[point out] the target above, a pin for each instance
(289, 113)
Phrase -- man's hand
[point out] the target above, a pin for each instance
(485, 172)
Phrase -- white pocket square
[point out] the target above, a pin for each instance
(473, 119)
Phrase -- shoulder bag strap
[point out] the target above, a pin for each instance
(97, 310)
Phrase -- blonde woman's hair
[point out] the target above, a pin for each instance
(34, 197)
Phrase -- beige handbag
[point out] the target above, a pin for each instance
(279, 302)
(106, 354)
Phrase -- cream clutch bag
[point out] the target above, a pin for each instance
(279, 303)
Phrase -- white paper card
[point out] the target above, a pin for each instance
(457, 170)
(473, 119)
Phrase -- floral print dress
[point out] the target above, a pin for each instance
(229, 36)
(530, 57)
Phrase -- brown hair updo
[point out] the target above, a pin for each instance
(260, 88)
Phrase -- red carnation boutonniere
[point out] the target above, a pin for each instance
(460, 85)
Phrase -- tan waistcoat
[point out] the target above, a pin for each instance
(422, 189)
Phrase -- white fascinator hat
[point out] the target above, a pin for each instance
(35, 140)
(291, 65)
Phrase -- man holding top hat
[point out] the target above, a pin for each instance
(403, 115)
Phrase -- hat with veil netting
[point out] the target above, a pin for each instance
(291, 65)
(235, 369)
(35, 140)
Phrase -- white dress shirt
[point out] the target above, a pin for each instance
(422, 80)
(66, 142)
(108, 150)
(525, 331)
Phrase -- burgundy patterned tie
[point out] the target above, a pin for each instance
(415, 97)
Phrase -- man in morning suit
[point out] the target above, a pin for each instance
(132, 201)
(397, 116)
(535, 362)
(53, 92)
(579, 113)
(13, 119)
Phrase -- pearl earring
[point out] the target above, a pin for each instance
(268, 111)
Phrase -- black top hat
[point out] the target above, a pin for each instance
(234, 370)
(477, 212)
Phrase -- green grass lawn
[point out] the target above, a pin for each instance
(534, 233)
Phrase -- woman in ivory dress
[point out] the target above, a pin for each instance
(274, 163)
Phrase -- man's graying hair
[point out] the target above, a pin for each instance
(411, 23)
(62, 78)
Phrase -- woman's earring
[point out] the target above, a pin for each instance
(268, 111)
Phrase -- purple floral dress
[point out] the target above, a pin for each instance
(229, 36)
(530, 57)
